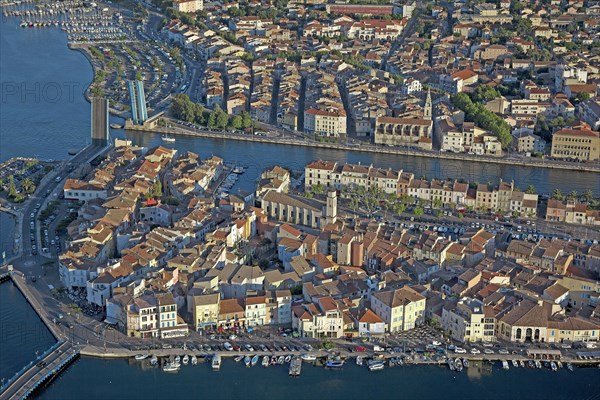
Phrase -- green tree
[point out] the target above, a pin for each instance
(139, 76)
(418, 211)
(246, 120)
(530, 189)
(237, 122)
(399, 208)
(12, 188)
(573, 195)
(28, 185)
(557, 195)
(317, 188)
(587, 196)
(437, 203)
(222, 120)
(157, 189)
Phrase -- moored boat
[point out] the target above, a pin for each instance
(359, 361)
(168, 139)
(254, 360)
(505, 364)
(238, 358)
(287, 359)
(186, 359)
(170, 367)
(538, 364)
(247, 361)
(521, 363)
(466, 363)
(458, 364)
(376, 365)
(140, 357)
(273, 360)
(295, 366)
(515, 363)
(194, 360)
(553, 366)
(216, 362)
(334, 364)
(154, 360)
(308, 357)
(281, 360)
(570, 367)
(265, 361)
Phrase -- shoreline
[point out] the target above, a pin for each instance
(375, 150)
(91, 352)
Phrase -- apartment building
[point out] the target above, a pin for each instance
(468, 320)
(401, 309)
(576, 143)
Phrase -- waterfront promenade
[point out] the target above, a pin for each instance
(369, 148)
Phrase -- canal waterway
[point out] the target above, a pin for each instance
(44, 114)
(22, 333)
(122, 379)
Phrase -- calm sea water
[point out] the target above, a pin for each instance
(104, 379)
(22, 333)
(43, 111)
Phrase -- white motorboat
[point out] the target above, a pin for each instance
(308, 357)
(466, 363)
(359, 361)
(553, 366)
(186, 359)
(458, 364)
(238, 358)
(266, 361)
(247, 361)
(140, 357)
(216, 362)
(281, 360)
(287, 359)
(177, 359)
(194, 360)
(505, 364)
(538, 364)
(170, 367)
(154, 360)
(168, 139)
(334, 364)
(376, 366)
(570, 367)
(521, 363)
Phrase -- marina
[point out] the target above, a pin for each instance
(139, 382)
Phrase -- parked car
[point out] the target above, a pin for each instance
(460, 350)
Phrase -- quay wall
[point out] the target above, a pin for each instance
(90, 351)
(371, 149)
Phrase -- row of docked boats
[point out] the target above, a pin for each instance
(251, 361)
(457, 364)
